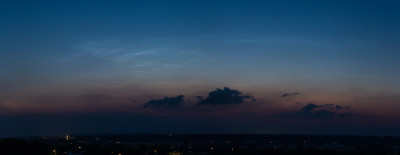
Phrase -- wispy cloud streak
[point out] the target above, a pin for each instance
(139, 58)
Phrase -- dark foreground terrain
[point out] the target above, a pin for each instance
(218, 144)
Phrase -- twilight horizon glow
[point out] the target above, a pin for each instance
(125, 67)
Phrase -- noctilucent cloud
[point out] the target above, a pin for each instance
(126, 67)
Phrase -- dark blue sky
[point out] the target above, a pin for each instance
(91, 57)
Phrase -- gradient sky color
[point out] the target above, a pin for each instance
(94, 64)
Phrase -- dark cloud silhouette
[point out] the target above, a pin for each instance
(225, 96)
(309, 107)
(289, 94)
(323, 111)
(338, 107)
(167, 102)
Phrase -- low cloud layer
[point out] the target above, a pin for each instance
(323, 111)
(167, 102)
(289, 94)
(225, 96)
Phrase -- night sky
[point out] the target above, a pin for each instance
(199, 66)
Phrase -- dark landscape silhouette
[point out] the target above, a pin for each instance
(200, 144)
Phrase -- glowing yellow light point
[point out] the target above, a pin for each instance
(67, 137)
